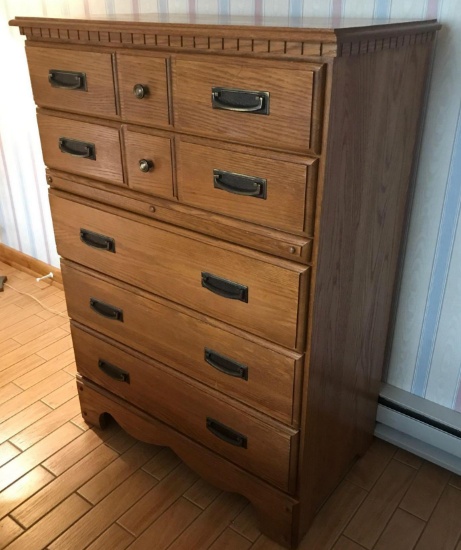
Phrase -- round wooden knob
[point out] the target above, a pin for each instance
(140, 91)
(145, 165)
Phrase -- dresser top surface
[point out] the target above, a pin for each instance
(275, 37)
(325, 25)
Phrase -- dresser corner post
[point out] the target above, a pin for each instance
(91, 413)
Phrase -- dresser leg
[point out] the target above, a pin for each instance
(91, 415)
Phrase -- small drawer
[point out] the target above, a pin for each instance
(222, 281)
(258, 189)
(87, 149)
(143, 90)
(248, 102)
(226, 427)
(72, 80)
(244, 369)
(149, 163)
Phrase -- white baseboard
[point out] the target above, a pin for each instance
(420, 426)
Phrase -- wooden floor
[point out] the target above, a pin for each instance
(65, 486)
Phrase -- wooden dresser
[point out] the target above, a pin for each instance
(229, 202)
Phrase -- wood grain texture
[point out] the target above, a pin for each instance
(99, 96)
(202, 494)
(272, 310)
(251, 36)
(401, 533)
(274, 507)
(219, 514)
(38, 491)
(158, 180)
(33, 456)
(9, 530)
(158, 500)
(289, 202)
(183, 405)
(63, 486)
(444, 528)
(49, 527)
(18, 492)
(425, 491)
(106, 166)
(363, 126)
(235, 231)
(115, 538)
(360, 226)
(179, 340)
(162, 463)
(101, 516)
(152, 74)
(288, 127)
(380, 504)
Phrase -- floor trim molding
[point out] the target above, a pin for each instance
(27, 263)
(420, 426)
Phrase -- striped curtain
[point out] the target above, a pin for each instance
(426, 351)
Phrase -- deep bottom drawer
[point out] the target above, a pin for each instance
(263, 448)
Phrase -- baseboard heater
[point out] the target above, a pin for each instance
(417, 425)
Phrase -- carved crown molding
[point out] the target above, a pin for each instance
(280, 42)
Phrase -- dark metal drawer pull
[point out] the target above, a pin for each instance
(106, 310)
(225, 433)
(242, 101)
(239, 184)
(140, 91)
(95, 240)
(114, 372)
(225, 364)
(77, 148)
(67, 80)
(223, 287)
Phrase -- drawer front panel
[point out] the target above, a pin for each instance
(142, 83)
(258, 297)
(72, 80)
(221, 99)
(88, 149)
(226, 429)
(181, 341)
(148, 164)
(253, 188)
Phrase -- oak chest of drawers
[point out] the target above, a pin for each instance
(229, 203)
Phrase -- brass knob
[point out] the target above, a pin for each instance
(145, 165)
(140, 91)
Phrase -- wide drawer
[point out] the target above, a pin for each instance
(260, 189)
(227, 428)
(259, 295)
(248, 370)
(246, 101)
(142, 84)
(82, 148)
(72, 80)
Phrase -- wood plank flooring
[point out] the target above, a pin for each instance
(65, 486)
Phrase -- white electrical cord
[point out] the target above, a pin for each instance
(49, 276)
(36, 299)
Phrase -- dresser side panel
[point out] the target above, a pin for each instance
(376, 105)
